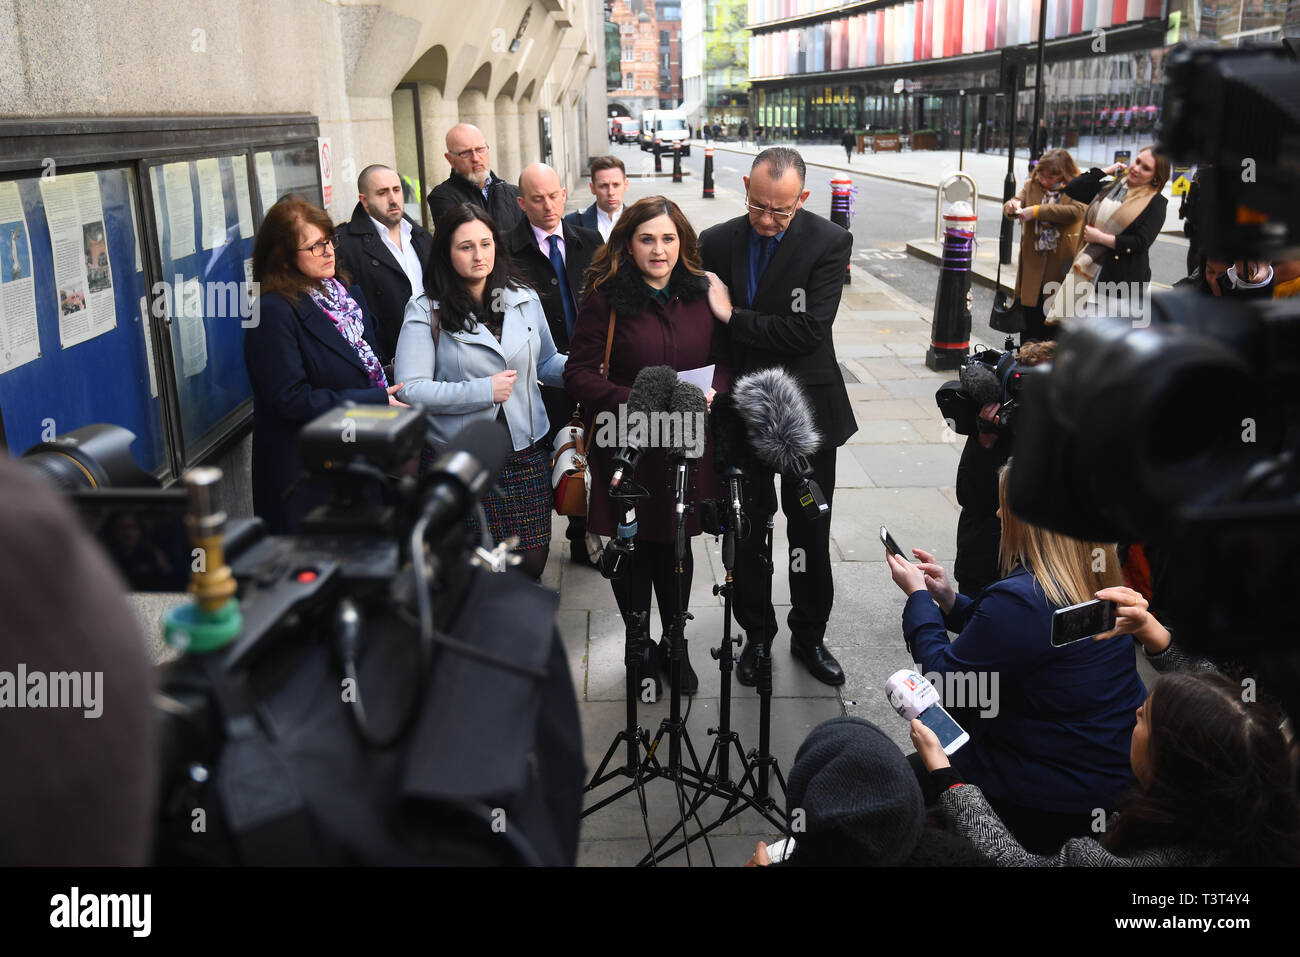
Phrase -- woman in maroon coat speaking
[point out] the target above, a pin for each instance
(647, 285)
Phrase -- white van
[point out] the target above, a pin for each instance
(670, 126)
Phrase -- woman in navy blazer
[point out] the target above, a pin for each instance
(311, 348)
(1052, 746)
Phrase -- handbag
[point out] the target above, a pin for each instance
(569, 478)
(1008, 314)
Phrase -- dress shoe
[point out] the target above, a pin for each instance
(690, 682)
(821, 664)
(747, 666)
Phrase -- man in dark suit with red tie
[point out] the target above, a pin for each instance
(783, 268)
(554, 256)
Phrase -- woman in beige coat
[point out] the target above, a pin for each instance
(1051, 227)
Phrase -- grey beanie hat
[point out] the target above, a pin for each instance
(861, 802)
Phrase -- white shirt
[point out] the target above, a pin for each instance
(405, 254)
(605, 222)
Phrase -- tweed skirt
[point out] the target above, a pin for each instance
(522, 501)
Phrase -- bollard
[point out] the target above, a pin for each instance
(708, 172)
(677, 161)
(842, 191)
(659, 163)
(950, 331)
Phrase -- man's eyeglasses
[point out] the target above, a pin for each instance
(318, 249)
(779, 215)
(471, 153)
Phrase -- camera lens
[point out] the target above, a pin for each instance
(96, 456)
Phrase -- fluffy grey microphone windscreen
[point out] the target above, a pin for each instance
(778, 417)
(980, 383)
(689, 402)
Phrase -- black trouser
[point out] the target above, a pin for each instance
(1035, 325)
(812, 590)
(653, 567)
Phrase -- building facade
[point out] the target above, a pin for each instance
(182, 123)
(820, 67)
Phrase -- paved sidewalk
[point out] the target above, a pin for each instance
(928, 167)
(898, 469)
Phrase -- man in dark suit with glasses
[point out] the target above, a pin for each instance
(783, 268)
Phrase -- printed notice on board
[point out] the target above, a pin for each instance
(242, 200)
(180, 209)
(19, 341)
(148, 347)
(83, 275)
(212, 203)
(194, 337)
(266, 180)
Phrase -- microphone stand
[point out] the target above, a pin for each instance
(673, 725)
(633, 736)
(762, 759)
(720, 784)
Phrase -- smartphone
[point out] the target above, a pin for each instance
(778, 852)
(950, 734)
(890, 543)
(1081, 621)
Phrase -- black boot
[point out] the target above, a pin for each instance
(690, 682)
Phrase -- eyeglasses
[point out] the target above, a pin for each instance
(318, 249)
(780, 215)
(471, 153)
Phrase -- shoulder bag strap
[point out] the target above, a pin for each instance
(609, 344)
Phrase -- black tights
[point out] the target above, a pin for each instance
(653, 566)
(534, 561)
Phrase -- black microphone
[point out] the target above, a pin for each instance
(652, 391)
(778, 420)
(475, 456)
(688, 411)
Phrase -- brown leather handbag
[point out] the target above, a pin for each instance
(569, 461)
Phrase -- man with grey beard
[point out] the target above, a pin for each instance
(472, 180)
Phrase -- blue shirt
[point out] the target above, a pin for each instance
(756, 251)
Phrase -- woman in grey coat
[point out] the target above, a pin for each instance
(474, 346)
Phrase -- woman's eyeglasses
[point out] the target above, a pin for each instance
(318, 249)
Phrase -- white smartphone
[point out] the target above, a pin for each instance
(778, 852)
(950, 734)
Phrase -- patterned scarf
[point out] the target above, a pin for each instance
(1047, 235)
(346, 316)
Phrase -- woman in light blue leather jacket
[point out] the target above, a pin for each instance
(483, 360)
